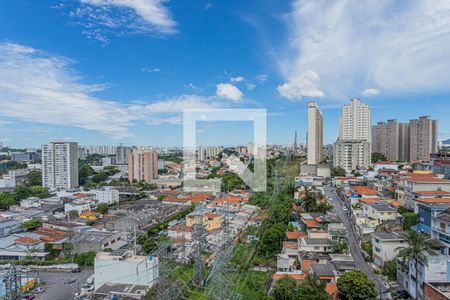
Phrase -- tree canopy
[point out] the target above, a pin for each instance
(355, 285)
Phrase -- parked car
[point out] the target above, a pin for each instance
(28, 297)
(38, 290)
(76, 270)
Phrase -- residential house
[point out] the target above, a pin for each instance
(315, 245)
(440, 229)
(416, 183)
(379, 212)
(426, 212)
(385, 246)
(437, 269)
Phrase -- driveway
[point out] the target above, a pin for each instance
(353, 245)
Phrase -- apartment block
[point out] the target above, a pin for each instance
(142, 165)
(423, 139)
(60, 165)
(386, 139)
(315, 134)
(353, 147)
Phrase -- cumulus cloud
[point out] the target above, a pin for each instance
(305, 85)
(228, 91)
(370, 92)
(237, 79)
(99, 18)
(398, 46)
(42, 88)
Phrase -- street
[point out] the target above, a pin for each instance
(57, 289)
(353, 245)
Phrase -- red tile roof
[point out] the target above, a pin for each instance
(433, 200)
(311, 223)
(368, 200)
(332, 290)
(295, 235)
(364, 190)
(432, 193)
(290, 245)
(27, 241)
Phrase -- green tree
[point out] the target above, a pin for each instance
(355, 285)
(376, 157)
(416, 252)
(312, 288)
(390, 269)
(86, 259)
(34, 178)
(102, 208)
(339, 247)
(338, 172)
(285, 289)
(99, 177)
(84, 171)
(31, 224)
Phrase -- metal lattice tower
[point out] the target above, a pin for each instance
(13, 283)
(199, 237)
(166, 289)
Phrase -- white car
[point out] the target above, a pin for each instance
(344, 208)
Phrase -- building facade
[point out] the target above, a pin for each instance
(122, 155)
(60, 165)
(423, 139)
(386, 139)
(315, 134)
(353, 147)
(142, 165)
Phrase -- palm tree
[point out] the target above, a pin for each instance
(417, 250)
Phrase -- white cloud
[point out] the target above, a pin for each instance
(305, 85)
(237, 79)
(102, 17)
(41, 88)
(398, 46)
(250, 86)
(228, 91)
(170, 110)
(261, 78)
(150, 70)
(370, 92)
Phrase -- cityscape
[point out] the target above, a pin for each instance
(224, 150)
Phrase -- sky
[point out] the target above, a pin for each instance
(122, 71)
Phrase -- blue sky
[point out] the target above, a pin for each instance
(121, 71)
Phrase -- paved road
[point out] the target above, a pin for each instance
(55, 287)
(353, 244)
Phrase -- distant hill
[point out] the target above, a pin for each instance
(446, 142)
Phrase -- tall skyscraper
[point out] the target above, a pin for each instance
(122, 155)
(142, 165)
(315, 134)
(386, 139)
(60, 165)
(355, 122)
(423, 138)
(403, 147)
(352, 149)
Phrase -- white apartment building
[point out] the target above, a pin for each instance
(60, 165)
(125, 268)
(108, 196)
(315, 134)
(350, 155)
(353, 148)
(355, 122)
